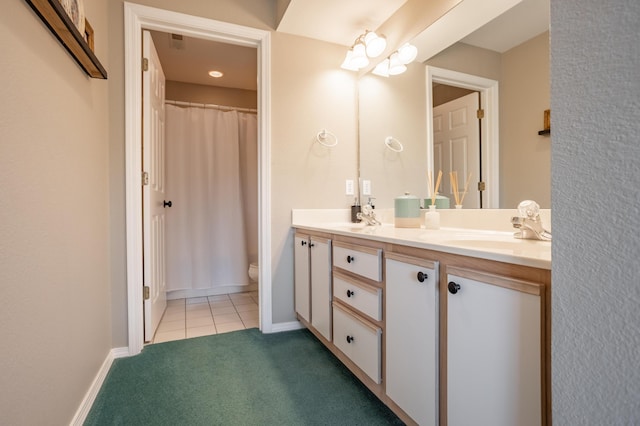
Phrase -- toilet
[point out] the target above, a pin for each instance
(253, 271)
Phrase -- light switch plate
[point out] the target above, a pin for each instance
(366, 187)
(349, 187)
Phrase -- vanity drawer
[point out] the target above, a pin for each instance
(365, 298)
(360, 340)
(364, 261)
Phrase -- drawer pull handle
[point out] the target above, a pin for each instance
(350, 339)
(350, 259)
(453, 287)
(422, 276)
(350, 293)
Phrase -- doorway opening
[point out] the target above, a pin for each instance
(138, 18)
(210, 164)
(489, 129)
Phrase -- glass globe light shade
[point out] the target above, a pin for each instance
(359, 57)
(375, 44)
(382, 69)
(395, 66)
(407, 53)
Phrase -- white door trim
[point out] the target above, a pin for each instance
(136, 18)
(490, 132)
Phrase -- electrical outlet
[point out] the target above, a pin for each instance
(349, 187)
(366, 187)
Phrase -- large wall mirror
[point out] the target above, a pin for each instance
(501, 68)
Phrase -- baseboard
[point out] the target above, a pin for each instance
(90, 396)
(286, 326)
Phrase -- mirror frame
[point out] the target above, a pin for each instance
(490, 131)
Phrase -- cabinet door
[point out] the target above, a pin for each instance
(302, 276)
(412, 336)
(493, 352)
(321, 286)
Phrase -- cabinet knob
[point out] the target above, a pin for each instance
(311, 245)
(166, 203)
(303, 243)
(350, 339)
(350, 293)
(422, 276)
(453, 287)
(350, 259)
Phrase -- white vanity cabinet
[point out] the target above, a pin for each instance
(441, 338)
(493, 350)
(302, 276)
(312, 286)
(320, 249)
(412, 336)
(358, 306)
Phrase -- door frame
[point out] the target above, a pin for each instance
(489, 133)
(136, 18)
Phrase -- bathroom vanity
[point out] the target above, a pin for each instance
(446, 327)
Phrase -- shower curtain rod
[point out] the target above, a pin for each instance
(212, 106)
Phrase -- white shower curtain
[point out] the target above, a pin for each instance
(212, 182)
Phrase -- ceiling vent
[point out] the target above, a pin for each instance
(176, 41)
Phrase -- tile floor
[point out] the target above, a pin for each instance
(203, 316)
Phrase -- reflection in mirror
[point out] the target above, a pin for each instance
(393, 107)
(397, 107)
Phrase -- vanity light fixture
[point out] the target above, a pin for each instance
(216, 74)
(367, 45)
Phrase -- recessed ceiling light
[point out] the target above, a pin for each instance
(215, 74)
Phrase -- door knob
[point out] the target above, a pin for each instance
(167, 204)
(453, 287)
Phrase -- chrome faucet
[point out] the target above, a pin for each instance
(368, 214)
(529, 222)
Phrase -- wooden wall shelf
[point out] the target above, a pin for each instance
(55, 17)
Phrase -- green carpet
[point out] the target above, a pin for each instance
(239, 378)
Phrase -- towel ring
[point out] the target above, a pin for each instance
(393, 144)
(323, 136)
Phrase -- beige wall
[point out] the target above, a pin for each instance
(54, 221)
(200, 93)
(309, 93)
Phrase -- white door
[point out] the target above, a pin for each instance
(153, 196)
(321, 285)
(302, 276)
(412, 337)
(493, 355)
(456, 147)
